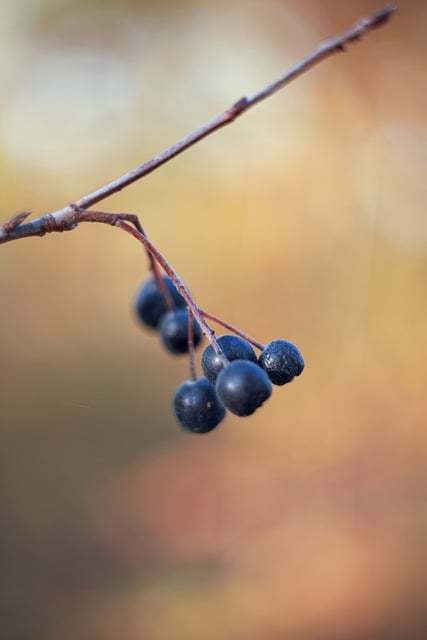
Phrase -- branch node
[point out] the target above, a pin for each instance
(50, 224)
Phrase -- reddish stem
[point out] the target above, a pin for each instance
(154, 267)
(232, 328)
(180, 286)
(191, 350)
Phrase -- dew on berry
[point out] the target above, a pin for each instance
(197, 406)
(174, 331)
(242, 386)
(150, 303)
(282, 361)
(233, 347)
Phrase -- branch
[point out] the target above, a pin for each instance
(70, 216)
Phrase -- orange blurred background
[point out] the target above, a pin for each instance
(306, 220)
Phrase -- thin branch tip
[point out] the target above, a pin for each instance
(382, 16)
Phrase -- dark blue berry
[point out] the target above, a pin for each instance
(174, 331)
(282, 361)
(150, 303)
(197, 406)
(242, 386)
(233, 347)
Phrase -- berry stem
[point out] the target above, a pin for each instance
(121, 223)
(154, 267)
(191, 350)
(232, 328)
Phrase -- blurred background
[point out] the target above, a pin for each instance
(306, 220)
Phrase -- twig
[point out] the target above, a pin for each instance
(180, 286)
(191, 347)
(238, 332)
(70, 216)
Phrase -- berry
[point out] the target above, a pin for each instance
(234, 348)
(197, 406)
(174, 331)
(242, 386)
(150, 303)
(282, 361)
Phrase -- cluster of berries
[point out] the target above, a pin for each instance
(235, 379)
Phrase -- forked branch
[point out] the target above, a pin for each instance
(73, 214)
